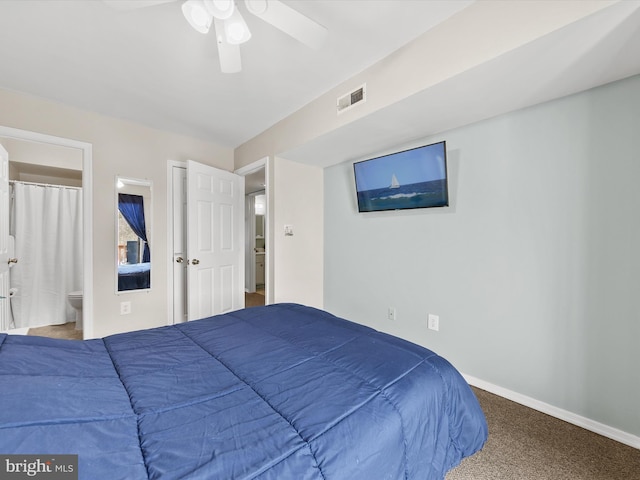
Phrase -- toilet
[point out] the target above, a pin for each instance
(75, 300)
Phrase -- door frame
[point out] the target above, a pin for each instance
(263, 163)
(171, 164)
(250, 242)
(5, 253)
(87, 211)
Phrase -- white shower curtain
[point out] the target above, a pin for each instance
(47, 225)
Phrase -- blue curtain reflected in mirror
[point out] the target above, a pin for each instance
(132, 209)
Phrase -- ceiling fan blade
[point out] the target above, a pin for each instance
(290, 21)
(126, 5)
(230, 60)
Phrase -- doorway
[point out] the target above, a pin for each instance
(255, 248)
(258, 254)
(58, 148)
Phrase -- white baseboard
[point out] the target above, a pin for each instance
(586, 423)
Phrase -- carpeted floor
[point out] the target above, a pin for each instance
(525, 444)
(67, 330)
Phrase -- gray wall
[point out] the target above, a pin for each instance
(534, 268)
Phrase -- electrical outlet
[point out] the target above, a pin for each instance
(433, 322)
(391, 314)
(125, 308)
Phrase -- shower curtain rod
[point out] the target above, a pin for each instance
(44, 184)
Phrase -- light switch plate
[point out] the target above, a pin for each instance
(433, 322)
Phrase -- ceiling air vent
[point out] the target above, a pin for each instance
(347, 101)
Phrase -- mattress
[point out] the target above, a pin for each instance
(277, 392)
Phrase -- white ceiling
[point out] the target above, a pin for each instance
(149, 66)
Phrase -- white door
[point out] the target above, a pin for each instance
(4, 239)
(179, 258)
(215, 241)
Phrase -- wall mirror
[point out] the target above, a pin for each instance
(133, 234)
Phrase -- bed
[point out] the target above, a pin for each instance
(277, 392)
(134, 276)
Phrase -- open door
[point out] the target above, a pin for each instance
(4, 239)
(215, 241)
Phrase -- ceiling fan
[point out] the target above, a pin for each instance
(231, 30)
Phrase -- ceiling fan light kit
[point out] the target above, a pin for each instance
(236, 29)
(257, 7)
(221, 9)
(197, 15)
(232, 30)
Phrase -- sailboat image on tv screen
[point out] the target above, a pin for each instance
(394, 182)
(423, 171)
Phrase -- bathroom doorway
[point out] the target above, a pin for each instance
(42, 163)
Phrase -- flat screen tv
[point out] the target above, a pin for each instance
(415, 178)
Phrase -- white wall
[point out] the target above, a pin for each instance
(298, 201)
(43, 163)
(43, 155)
(533, 268)
(130, 150)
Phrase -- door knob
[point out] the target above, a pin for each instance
(12, 260)
(179, 259)
(195, 261)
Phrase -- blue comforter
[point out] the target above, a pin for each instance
(278, 392)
